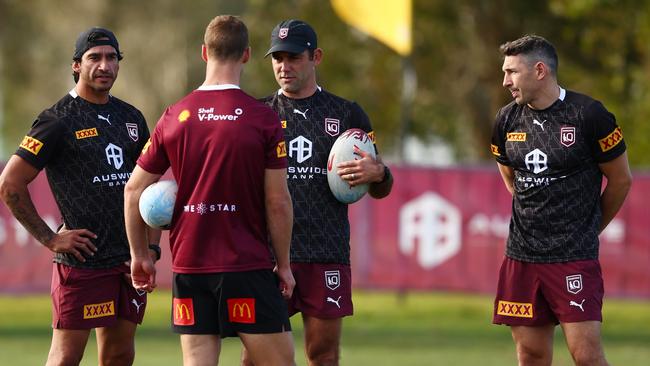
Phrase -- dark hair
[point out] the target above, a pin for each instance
(534, 48)
(226, 37)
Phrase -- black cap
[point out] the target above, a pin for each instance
(93, 37)
(293, 36)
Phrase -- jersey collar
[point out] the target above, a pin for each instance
(318, 88)
(218, 87)
(562, 94)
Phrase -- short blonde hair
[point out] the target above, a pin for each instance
(226, 38)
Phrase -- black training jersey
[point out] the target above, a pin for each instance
(555, 154)
(321, 230)
(88, 152)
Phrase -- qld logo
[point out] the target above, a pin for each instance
(567, 136)
(332, 126)
(332, 279)
(574, 283)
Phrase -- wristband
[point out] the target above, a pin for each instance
(386, 175)
(155, 248)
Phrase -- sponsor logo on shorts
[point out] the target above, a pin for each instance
(100, 310)
(183, 311)
(574, 283)
(332, 126)
(89, 132)
(332, 279)
(611, 140)
(241, 310)
(567, 136)
(184, 116)
(516, 136)
(281, 149)
(495, 150)
(515, 309)
(31, 144)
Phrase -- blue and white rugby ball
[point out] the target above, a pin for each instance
(343, 150)
(157, 204)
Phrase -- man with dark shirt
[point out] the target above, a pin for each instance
(88, 143)
(313, 119)
(553, 147)
(227, 153)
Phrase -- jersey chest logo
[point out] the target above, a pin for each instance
(332, 126)
(132, 129)
(567, 136)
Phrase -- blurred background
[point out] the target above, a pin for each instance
(455, 84)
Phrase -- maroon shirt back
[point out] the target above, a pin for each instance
(218, 142)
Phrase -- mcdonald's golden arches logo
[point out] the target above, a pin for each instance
(241, 310)
(183, 311)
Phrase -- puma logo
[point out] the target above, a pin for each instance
(137, 306)
(573, 303)
(329, 299)
(303, 114)
(540, 124)
(105, 118)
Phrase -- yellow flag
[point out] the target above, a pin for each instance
(389, 21)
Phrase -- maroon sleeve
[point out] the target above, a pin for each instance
(154, 157)
(276, 148)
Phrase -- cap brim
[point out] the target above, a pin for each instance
(286, 47)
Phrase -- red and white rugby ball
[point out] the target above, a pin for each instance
(343, 150)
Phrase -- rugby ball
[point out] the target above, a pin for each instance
(157, 204)
(343, 150)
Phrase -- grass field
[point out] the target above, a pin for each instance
(414, 330)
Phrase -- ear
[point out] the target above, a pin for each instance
(318, 56)
(204, 53)
(76, 66)
(246, 55)
(541, 70)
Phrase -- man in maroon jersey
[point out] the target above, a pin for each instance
(553, 147)
(227, 153)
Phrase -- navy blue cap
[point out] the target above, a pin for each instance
(92, 37)
(292, 36)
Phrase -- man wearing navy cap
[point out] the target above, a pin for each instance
(87, 143)
(312, 119)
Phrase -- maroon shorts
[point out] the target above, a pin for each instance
(533, 294)
(322, 290)
(91, 298)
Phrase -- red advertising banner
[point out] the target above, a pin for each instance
(440, 229)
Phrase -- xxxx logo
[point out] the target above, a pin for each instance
(516, 309)
(89, 132)
(495, 150)
(31, 144)
(611, 140)
(371, 134)
(516, 136)
(281, 149)
(99, 310)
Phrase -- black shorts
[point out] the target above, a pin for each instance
(228, 303)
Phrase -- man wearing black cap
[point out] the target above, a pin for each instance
(320, 247)
(88, 143)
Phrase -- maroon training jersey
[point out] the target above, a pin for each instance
(218, 142)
